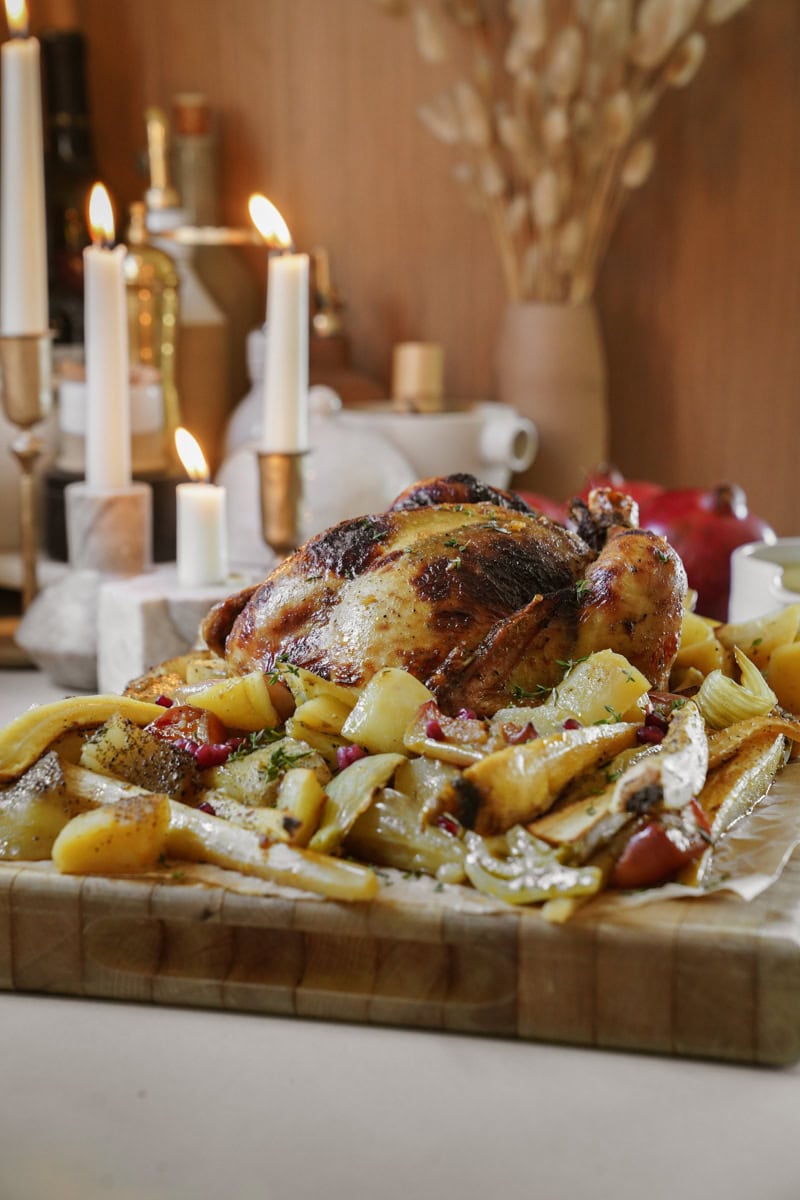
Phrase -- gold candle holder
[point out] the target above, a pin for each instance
(27, 387)
(281, 480)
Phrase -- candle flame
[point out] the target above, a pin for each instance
(191, 455)
(269, 222)
(101, 216)
(17, 14)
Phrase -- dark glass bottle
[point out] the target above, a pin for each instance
(69, 175)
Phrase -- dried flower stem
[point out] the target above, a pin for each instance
(549, 125)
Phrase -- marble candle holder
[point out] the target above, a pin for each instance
(109, 530)
(148, 619)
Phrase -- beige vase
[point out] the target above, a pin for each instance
(550, 367)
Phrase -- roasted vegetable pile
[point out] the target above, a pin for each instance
(598, 783)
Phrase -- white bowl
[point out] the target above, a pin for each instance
(764, 576)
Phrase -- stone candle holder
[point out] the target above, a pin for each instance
(109, 530)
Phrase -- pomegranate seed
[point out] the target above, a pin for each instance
(345, 755)
(526, 733)
(650, 735)
(657, 720)
(434, 730)
(466, 714)
(212, 754)
(206, 808)
(572, 723)
(187, 744)
(164, 701)
(448, 824)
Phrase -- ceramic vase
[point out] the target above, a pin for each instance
(550, 367)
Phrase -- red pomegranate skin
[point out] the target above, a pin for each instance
(704, 526)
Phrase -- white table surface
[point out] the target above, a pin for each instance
(105, 1099)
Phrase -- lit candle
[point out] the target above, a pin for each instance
(108, 421)
(285, 414)
(23, 243)
(201, 526)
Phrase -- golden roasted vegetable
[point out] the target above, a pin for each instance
(200, 837)
(241, 702)
(300, 803)
(784, 675)
(425, 780)
(27, 738)
(305, 685)
(295, 816)
(34, 810)
(515, 785)
(388, 832)
(722, 701)
(349, 794)
(326, 745)
(727, 742)
(115, 839)
(324, 713)
(759, 636)
(672, 775)
(530, 871)
(123, 750)
(700, 649)
(384, 710)
(735, 787)
(170, 676)
(453, 740)
(254, 779)
(602, 687)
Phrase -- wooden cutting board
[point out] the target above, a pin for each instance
(713, 978)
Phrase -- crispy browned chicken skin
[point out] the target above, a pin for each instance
(469, 590)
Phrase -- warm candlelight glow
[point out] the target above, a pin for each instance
(17, 14)
(191, 455)
(269, 222)
(101, 216)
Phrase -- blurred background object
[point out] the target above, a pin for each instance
(698, 293)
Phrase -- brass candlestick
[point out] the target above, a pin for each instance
(281, 479)
(26, 371)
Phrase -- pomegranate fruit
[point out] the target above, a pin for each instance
(704, 526)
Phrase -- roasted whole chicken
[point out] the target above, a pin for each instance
(468, 589)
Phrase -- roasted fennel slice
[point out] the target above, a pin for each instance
(526, 870)
(389, 833)
(722, 701)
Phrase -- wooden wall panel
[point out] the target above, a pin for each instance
(700, 295)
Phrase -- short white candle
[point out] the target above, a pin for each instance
(23, 241)
(202, 535)
(284, 426)
(108, 422)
